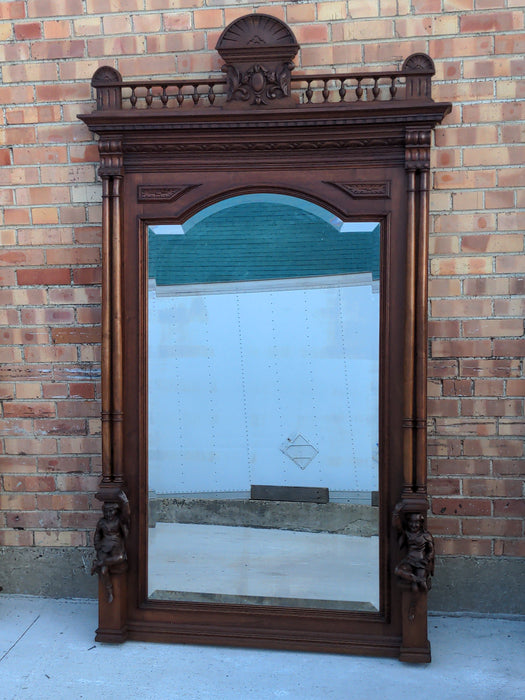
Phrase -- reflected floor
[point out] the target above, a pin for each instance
(263, 566)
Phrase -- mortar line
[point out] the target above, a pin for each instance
(19, 638)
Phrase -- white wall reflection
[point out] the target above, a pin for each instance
(236, 375)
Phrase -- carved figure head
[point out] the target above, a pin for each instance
(415, 522)
(110, 510)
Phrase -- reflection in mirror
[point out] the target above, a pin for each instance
(263, 370)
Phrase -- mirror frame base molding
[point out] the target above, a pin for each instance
(356, 144)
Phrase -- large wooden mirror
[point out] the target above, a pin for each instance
(264, 343)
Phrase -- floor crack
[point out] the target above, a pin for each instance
(19, 638)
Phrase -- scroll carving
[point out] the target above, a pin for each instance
(417, 566)
(263, 145)
(110, 540)
(258, 84)
(365, 190)
(147, 193)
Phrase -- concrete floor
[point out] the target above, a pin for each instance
(47, 652)
(275, 565)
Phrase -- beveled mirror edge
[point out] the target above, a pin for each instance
(165, 510)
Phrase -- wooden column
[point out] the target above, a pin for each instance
(113, 585)
(413, 503)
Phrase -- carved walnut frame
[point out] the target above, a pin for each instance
(356, 144)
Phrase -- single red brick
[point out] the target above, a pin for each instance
(87, 276)
(63, 501)
(511, 488)
(486, 286)
(457, 387)
(89, 315)
(489, 387)
(476, 23)
(443, 525)
(81, 391)
(498, 527)
(54, 391)
(16, 538)
(76, 335)
(45, 316)
(61, 464)
(491, 407)
(60, 427)
(81, 409)
(490, 447)
(466, 426)
(29, 483)
(443, 407)
(57, 8)
(489, 368)
(33, 519)
(33, 446)
(509, 348)
(444, 329)
(36, 409)
(12, 10)
(444, 487)
(443, 446)
(509, 507)
(513, 548)
(83, 520)
(442, 368)
(461, 348)
(83, 483)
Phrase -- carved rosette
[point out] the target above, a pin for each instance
(110, 538)
(258, 51)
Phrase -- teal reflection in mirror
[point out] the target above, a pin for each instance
(263, 371)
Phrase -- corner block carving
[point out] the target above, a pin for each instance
(110, 539)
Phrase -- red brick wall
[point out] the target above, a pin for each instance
(50, 260)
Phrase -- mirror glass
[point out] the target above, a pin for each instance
(263, 373)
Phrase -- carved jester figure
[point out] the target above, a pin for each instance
(417, 566)
(110, 536)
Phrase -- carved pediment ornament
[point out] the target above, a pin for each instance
(258, 51)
